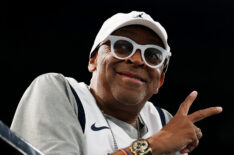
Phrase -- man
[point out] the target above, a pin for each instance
(112, 115)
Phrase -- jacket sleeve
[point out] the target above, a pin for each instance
(46, 117)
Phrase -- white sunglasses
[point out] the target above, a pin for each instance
(123, 48)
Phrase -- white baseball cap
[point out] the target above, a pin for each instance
(124, 19)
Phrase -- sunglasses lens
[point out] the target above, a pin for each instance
(123, 48)
(153, 56)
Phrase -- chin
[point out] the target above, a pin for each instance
(130, 96)
(129, 99)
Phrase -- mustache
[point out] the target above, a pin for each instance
(139, 74)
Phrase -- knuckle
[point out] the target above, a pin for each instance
(192, 135)
(200, 114)
(196, 143)
(199, 135)
(190, 140)
(182, 107)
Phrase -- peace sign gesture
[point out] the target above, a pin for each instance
(180, 134)
(198, 115)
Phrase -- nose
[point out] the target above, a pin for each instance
(136, 59)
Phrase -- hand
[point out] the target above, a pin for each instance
(180, 134)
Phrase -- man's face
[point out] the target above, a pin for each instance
(130, 81)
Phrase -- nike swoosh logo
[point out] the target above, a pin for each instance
(94, 128)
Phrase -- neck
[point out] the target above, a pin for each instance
(123, 116)
(126, 113)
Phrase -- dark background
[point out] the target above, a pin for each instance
(43, 36)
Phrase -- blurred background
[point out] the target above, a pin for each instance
(40, 36)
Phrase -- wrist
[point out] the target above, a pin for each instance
(156, 144)
(129, 151)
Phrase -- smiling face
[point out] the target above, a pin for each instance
(128, 82)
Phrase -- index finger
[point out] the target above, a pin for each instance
(201, 114)
(184, 107)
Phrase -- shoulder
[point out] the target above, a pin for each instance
(54, 85)
(47, 116)
(50, 77)
(168, 116)
(49, 90)
(50, 82)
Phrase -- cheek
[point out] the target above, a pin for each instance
(105, 65)
(105, 58)
(102, 60)
(155, 79)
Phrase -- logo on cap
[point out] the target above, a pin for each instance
(139, 15)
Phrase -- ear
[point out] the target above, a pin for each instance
(162, 79)
(161, 82)
(93, 63)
